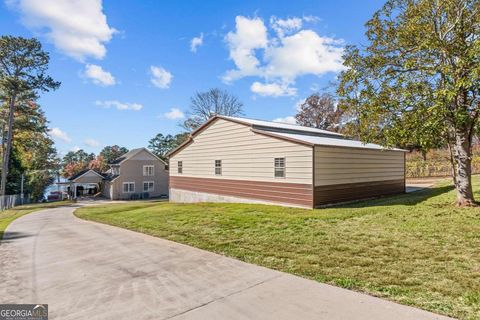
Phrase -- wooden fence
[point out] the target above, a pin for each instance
(10, 201)
(421, 169)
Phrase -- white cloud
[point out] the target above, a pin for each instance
(174, 113)
(303, 53)
(272, 89)
(196, 42)
(280, 60)
(59, 134)
(311, 19)
(288, 119)
(98, 75)
(161, 78)
(78, 28)
(119, 105)
(285, 26)
(250, 34)
(75, 149)
(92, 143)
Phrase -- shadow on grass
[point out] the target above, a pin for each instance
(408, 199)
(42, 206)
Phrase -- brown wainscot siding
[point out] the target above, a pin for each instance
(287, 193)
(346, 174)
(355, 191)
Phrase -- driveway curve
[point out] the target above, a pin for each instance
(85, 270)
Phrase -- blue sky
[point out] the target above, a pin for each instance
(129, 68)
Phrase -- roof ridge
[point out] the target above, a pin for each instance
(132, 153)
(284, 125)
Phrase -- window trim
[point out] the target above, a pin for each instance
(180, 167)
(283, 168)
(218, 167)
(153, 186)
(127, 183)
(145, 174)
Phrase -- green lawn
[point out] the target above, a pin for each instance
(8, 216)
(416, 249)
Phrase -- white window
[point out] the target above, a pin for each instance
(218, 167)
(148, 171)
(180, 166)
(279, 164)
(128, 187)
(148, 186)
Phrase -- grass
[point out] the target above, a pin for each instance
(7, 216)
(416, 249)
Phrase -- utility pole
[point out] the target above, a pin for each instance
(21, 187)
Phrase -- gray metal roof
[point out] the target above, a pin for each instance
(283, 126)
(335, 142)
(291, 132)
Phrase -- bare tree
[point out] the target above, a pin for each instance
(320, 111)
(204, 105)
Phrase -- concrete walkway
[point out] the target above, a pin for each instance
(85, 270)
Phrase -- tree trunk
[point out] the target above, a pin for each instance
(452, 163)
(463, 158)
(2, 150)
(8, 147)
(424, 154)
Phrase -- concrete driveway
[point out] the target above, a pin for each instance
(85, 270)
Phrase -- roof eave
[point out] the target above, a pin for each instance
(353, 147)
(180, 147)
(98, 174)
(272, 135)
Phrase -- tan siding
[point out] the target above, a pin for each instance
(244, 154)
(89, 177)
(131, 170)
(336, 165)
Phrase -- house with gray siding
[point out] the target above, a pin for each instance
(138, 174)
(231, 159)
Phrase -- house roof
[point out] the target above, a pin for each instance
(126, 156)
(290, 132)
(326, 141)
(110, 177)
(130, 154)
(83, 172)
(270, 125)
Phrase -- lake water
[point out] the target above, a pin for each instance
(55, 187)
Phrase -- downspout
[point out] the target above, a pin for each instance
(314, 202)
